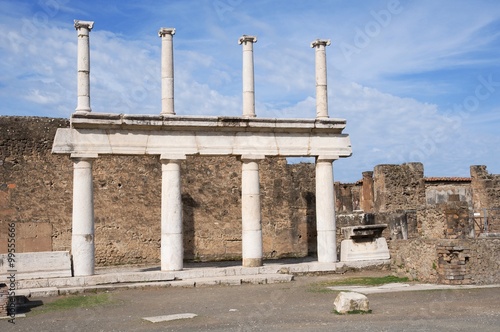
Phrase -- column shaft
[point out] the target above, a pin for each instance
(251, 216)
(82, 240)
(321, 78)
(167, 71)
(83, 64)
(172, 249)
(248, 76)
(325, 212)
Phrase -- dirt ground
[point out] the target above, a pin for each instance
(276, 307)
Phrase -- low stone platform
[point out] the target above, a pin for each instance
(194, 275)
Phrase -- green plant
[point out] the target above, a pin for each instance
(75, 301)
(355, 281)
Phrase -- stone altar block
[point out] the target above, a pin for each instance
(363, 243)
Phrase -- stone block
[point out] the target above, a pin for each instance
(43, 292)
(351, 250)
(35, 265)
(346, 302)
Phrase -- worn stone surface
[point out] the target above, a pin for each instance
(37, 265)
(4, 299)
(398, 187)
(436, 260)
(351, 301)
(127, 193)
(486, 197)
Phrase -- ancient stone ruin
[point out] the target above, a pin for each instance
(173, 138)
(164, 189)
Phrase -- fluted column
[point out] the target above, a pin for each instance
(83, 85)
(172, 248)
(325, 210)
(321, 81)
(167, 71)
(82, 239)
(250, 213)
(248, 76)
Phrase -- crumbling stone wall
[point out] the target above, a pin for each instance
(398, 187)
(486, 196)
(36, 192)
(347, 197)
(458, 261)
(442, 192)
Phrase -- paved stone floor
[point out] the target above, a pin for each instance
(274, 307)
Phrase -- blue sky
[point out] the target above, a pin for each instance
(416, 80)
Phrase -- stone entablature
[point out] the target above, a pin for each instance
(95, 134)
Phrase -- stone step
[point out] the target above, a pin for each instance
(194, 282)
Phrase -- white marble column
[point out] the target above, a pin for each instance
(250, 213)
(167, 71)
(172, 248)
(325, 210)
(83, 84)
(82, 239)
(321, 82)
(248, 76)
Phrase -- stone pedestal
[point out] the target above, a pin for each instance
(325, 210)
(172, 249)
(250, 214)
(364, 243)
(82, 241)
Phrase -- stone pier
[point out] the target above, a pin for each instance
(172, 249)
(83, 85)
(82, 240)
(321, 85)
(325, 210)
(248, 76)
(250, 212)
(167, 71)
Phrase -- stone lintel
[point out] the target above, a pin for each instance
(246, 38)
(320, 42)
(84, 24)
(219, 123)
(166, 31)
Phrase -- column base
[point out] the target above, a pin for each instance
(252, 262)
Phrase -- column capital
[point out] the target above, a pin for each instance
(165, 158)
(327, 158)
(245, 38)
(84, 156)
(252, 157)
(84, 24)
(166, 31)
(320, 42)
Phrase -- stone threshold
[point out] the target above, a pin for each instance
(124, 278)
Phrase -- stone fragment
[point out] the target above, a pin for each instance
(167, 318)
(347, 302)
